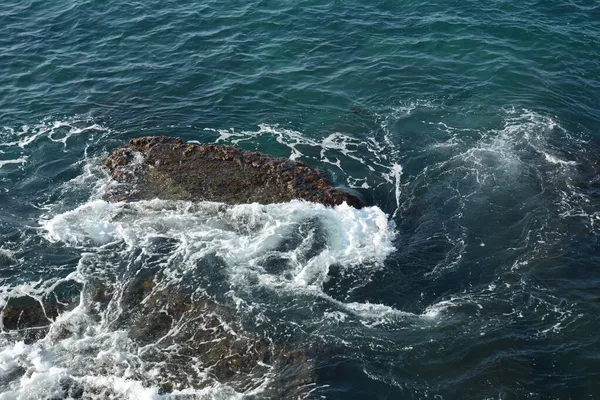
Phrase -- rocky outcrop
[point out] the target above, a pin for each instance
(167, 168)
(160, 319)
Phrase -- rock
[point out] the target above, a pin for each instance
(177, 327)
(24, 312)
(167, 168)
(30, 318)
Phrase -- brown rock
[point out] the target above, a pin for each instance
(29, 318)
(24, 312)
(167, 168)
(208, 333)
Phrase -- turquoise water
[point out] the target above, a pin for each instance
(473, 126)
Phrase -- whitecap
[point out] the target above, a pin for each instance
(20, 160)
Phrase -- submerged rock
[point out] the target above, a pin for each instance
(29, 317)
(174, 327)
(25, 312)
(167, 168)
(193, 338)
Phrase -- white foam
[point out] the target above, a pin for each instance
(59, 131)
(8, 254)
(20, 160)
(88, 222)
(242, 235)
(555, 160)
(374, 314)
(500, 153)
(434, 310)
(120, 387)
(245, 237)
(337, 149)
(47, 371)
(42, 379)
(394, 176)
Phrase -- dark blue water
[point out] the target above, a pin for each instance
(470, 128)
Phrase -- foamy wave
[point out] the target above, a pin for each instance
(373, 314)
(555, 160)
(244, 236)
(20, 160)
(59, 131)
(305, 239)
(50, 376)
(376, 158)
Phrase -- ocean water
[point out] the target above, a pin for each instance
(471, 129)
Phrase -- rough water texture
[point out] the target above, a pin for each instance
(469, 128)
(198, 327)
(170, 169)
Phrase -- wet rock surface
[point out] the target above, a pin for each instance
(162, 318)
(191, 337)
(30, 317)
(167, 168)
(192, 340)
(25, 312)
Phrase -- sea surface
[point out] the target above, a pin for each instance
(470, 128)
